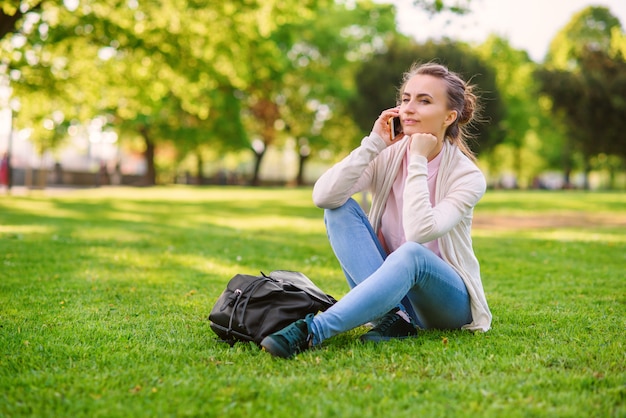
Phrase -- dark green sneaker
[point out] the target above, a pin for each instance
(389, 327)
(291, 340)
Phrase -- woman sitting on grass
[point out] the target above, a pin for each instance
(411, 264)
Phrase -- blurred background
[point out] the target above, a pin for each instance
(271, 92)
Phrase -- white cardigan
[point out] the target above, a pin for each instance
(460, 184)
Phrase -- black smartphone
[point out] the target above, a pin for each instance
(395, 127)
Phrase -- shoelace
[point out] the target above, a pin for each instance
(387, 321)
(294, 338)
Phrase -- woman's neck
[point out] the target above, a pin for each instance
(435, 152)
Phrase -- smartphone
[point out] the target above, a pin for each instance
(395, 127)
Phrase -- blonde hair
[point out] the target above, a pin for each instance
(461, 98)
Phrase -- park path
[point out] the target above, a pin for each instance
(546, 220)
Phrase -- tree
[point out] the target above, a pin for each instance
(585, 79)
(319, 85)
(592, 102)
(185, 70)
(309, 77)
(145, 63)
(38, 76)
(591, 28)
(531, 140)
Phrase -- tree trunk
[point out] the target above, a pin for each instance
(567, 164)
(300, 178)
(199, 168)
(586, 171)
(150, 176)
(266, 111)
(42, 177)
(517, 162)
(256, 181)
(28, 177)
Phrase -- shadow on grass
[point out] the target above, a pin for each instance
(157, 249)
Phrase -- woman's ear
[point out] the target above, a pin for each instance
(450, 118)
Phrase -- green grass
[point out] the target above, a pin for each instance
(104, 296)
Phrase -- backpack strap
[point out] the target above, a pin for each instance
(249, 291)
(302, 282)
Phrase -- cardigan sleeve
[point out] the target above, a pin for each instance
(349, 176)
(422, 222)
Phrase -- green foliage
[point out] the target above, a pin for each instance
(160, 69)
(437, 6)
(592, 102)
(306, 98)
(532, 141)
(104, 297)
(585, 78)
(591, 26)
(324, 59)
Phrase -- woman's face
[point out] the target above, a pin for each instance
(424, 106)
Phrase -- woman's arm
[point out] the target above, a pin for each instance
(349, 176)
(354, 173)
(423, 223)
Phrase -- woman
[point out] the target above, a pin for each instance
(410, 264)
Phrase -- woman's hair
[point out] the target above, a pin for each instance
(461, 98)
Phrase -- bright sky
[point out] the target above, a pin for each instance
(529, 25)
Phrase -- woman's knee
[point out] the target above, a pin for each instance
(350, 208)
(412, 255)
(410, 249)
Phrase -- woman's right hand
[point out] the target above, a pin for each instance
(381, 126)
(424, 144)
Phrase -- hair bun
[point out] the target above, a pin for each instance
(469, 106)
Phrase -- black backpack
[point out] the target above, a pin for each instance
(252, 307)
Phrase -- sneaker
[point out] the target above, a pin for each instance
(389, 327)
(290, 340)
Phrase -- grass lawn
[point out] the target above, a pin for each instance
(104, 296)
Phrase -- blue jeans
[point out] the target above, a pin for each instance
(412, 278)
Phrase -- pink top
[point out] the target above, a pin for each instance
(391, 232)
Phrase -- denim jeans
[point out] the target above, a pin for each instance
(412, 278)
